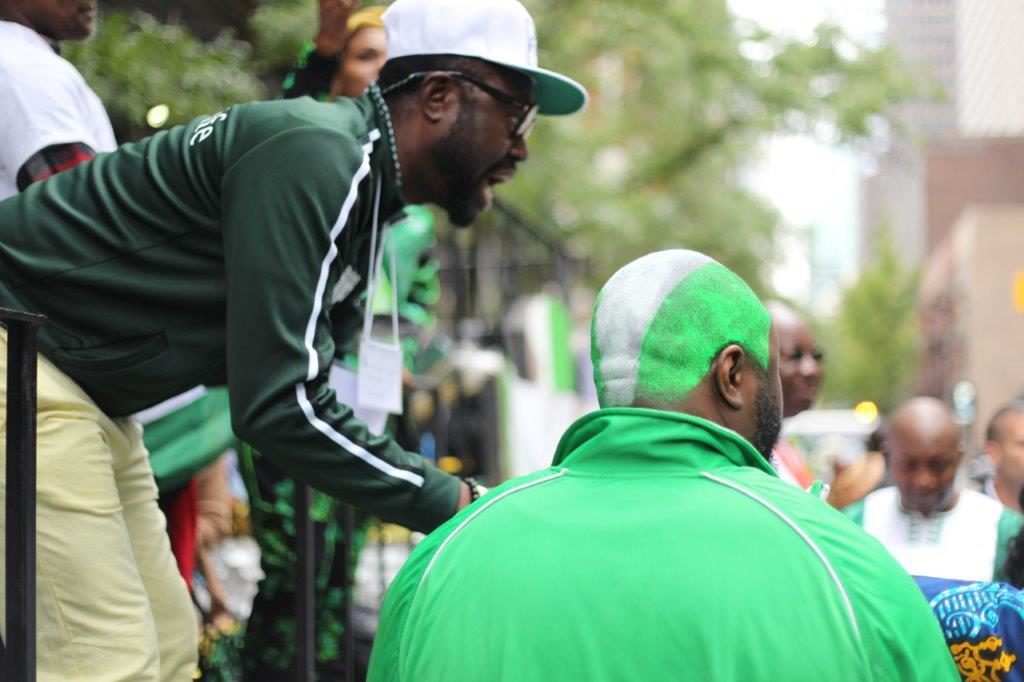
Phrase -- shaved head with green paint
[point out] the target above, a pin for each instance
(660, 321)
(677, 330)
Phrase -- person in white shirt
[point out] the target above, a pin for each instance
(925, 520)
(51, 119)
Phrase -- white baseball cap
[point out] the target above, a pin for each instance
(498, 31)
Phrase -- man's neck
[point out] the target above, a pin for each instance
(1006, 493)
(16, 18)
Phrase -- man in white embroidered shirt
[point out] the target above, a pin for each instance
(932, 527)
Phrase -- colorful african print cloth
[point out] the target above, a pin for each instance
(983, 624)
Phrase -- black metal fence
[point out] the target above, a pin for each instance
(19, 650)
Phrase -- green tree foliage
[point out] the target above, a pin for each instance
(135, 63)
(680, 95)
(877, 334)
(278, 29)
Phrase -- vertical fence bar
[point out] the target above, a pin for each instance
(20, 582)
(305, 584)
(348, 566)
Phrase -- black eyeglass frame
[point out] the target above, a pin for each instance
(527, 112)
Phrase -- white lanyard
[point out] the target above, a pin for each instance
(380, 364)
(374, 269)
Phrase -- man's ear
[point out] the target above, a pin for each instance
(730, 370)
(438, 95)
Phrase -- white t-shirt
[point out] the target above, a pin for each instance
(43, 101)
(960, 544)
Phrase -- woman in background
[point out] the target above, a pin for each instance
(345, 57)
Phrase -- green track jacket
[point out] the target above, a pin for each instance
(231, 250)
(657, 547)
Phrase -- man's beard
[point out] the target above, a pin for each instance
(767, 421)
(456, 162)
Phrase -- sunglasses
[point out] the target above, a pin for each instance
(527, 113)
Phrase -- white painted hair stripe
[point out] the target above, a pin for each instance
(628, 303)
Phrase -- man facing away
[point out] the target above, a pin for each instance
(1004, 443)
(925, 520)
(233, 250)
(661, 544)
(52, 120)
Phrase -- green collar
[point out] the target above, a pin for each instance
(622, 440)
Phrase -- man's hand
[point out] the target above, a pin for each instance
(334, 14)
(465, 496)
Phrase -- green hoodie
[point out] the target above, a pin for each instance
(658, 546)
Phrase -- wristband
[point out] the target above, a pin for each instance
(475, 489)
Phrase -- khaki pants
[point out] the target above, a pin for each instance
(110, 602)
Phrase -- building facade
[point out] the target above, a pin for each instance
(972, 312)
(990, 94)
(923, 34)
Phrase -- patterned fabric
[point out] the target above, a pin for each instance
(52, 160)
(269, 651)
(983, 624)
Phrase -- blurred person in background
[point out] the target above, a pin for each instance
(1004, 443)
(51, 119)
(346, 55)
(661, 543)
(1013, 569)
(932, 526)
(983, 622)
(800, 370)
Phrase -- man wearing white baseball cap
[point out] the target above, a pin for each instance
(464, 89)
(234, 250)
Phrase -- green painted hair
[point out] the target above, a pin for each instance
(661, 320)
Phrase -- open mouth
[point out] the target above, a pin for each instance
(487, 186)
(498, 178)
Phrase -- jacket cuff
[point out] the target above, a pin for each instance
(435, 502)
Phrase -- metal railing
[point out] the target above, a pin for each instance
(305, 590)
(19, 650)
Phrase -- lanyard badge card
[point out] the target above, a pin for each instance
(379, 382)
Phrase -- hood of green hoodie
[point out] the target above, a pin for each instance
(614, 438)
